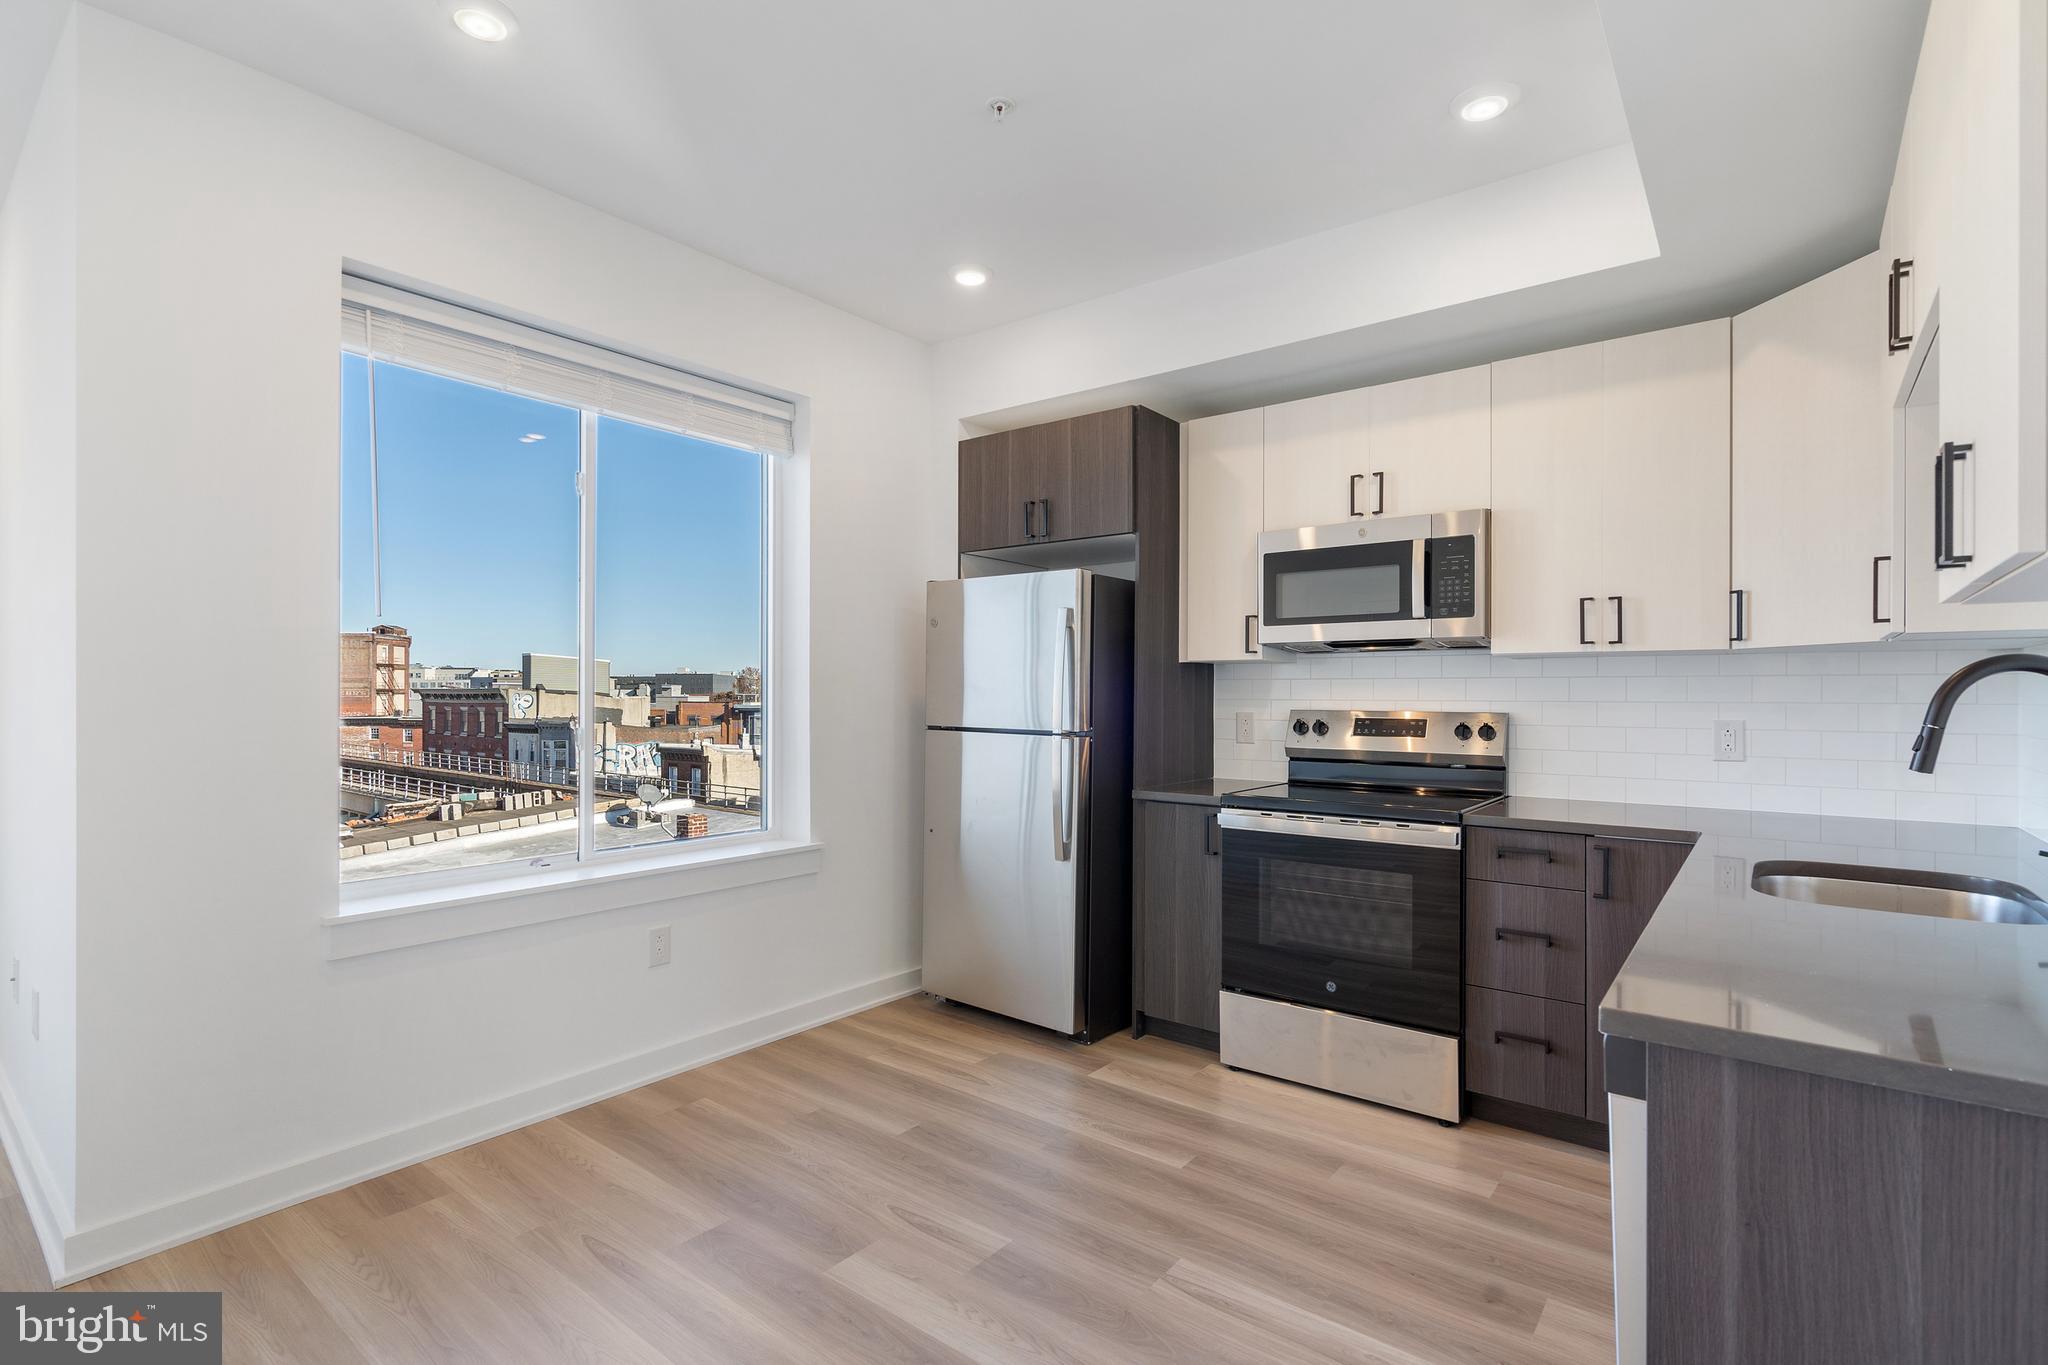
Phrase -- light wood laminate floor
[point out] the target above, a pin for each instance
(924, 1182)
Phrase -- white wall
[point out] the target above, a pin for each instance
(39, 638)
(216, 207)
(1828, 730)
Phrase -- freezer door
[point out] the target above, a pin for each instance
(1009, 652)
(1004, 847)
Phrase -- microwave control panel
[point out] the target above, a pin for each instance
(1452, 576)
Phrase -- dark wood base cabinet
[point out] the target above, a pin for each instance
(1177, 896)
(1801, 1218)
(1550, 916)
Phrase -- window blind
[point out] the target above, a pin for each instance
(427, 334)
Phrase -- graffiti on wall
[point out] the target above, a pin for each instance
(630, 760)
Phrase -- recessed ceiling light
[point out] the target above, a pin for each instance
(1484, 103)
(972, 276)
(485, 20)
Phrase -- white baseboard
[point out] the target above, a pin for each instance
(49, 1213)
(88, 1251)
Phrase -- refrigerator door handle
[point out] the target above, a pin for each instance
(1070, 683)
(1067, 795)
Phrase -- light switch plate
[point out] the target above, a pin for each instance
(1244, 727)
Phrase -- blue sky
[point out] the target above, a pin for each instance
(479, 530)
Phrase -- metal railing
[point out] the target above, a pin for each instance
(721, 794)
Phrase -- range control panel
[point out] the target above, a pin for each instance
(1452, 735)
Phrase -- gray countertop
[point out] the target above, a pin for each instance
(1206, 792)
(1950, 1008)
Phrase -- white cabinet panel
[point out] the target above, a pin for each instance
(1222, 509)
(1317, 461)
(1610, 483)
(1430, 443)
(1664, 488)
(1977, 194)
(1811, 463)
(1547, 447)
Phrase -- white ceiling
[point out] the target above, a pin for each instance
(846, 150)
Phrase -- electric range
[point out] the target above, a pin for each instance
(1343, 904)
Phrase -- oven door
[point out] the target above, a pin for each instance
(1351, 583)
(1362, 918)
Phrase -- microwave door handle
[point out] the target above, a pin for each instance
(1421, 578)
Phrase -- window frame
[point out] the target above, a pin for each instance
(499, 895)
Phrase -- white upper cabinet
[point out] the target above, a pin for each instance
(1812, 557)
(1970, 209)
(1547, 450)
(1664, 488)
(1610, 495)
(1222, 508)
(1413, 447)
(1317, 468)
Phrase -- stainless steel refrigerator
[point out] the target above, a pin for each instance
(1027, 795)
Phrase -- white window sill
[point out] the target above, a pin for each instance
(373, 919)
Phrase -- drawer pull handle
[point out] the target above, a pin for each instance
(1505, 851)
(1537, 934)
(1500, 1037)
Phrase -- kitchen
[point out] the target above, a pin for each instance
(1390, 659)
(1567, 748)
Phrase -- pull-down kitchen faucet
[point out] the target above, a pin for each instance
(1927, 747)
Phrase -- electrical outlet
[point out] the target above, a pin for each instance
(1728, 874)
(35, 1014)
(1244, 727)
(657, 946)
(1731, 741)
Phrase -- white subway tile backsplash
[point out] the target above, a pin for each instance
(1828, 729)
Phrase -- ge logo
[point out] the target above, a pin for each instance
(1329, 985)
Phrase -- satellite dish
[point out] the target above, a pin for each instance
(652, 793)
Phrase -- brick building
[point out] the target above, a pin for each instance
(375, 672)
(465, 721)
(394, 739)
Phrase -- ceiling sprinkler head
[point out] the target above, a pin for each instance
(1000, 107)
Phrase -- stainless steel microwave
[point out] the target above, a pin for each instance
(1384, 583)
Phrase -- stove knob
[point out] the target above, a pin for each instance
(1463, 731)
(1321, 727)
(1300, 727)
(1488, 733)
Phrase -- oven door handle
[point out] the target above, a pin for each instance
(1326, 827)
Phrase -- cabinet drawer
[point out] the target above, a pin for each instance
(1525, 1049)
(1528, 857)
(1527, 939)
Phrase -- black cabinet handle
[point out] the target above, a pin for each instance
(1738, 603)
(1584, 602)
(1499, 1037)
(1952, 454)
(1354, 495)
(1897, 341)
(1045, 518)
(1251, 644)
(1212, 837)
(1606, 891)
(1875, 619)
(1617, 621)
(1028, 505)
(1503, 932)
(1379, 494)
(1507, 851)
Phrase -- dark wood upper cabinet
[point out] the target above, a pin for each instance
(1065, 480)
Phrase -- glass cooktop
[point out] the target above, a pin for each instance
(1360, 803)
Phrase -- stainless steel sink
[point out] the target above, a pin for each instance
(1944, 895)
